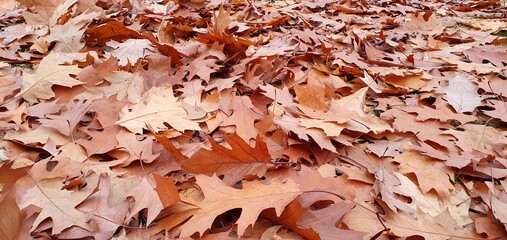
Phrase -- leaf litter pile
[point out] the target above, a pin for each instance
(314, 119)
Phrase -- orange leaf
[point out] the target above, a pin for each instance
(166, 190)
(253, 198)
(235, 164)
(11, 218)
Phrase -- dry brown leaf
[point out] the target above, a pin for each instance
(11, 219)
(160, 107)
(38, 85)
(48, 12)
(147, 195)
(116, 108)
(131, 50)
(462, 94)
(108, 218)
(69, 117)
(500, 110)
(400, 224)
(253, 198)
(59, 205)
(243, 117)
(431, 174)
(233, 163)
(497, 55)
(353, 107)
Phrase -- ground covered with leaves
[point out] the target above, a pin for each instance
(143, 119)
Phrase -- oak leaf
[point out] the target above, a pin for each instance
(423, 22)
(159, 107)
(154, 195)
(496, 203)
(443, 114)
(48, 12)
(491, 227)
(38, 85)
(103, 138)
(500, 110)
(236, 163)
(318, 187)
(353, 108)
(108, 218)
(243, 117)
(400, 224)
(370, 82)
(253, 198)
(117, 31)
(320, 221)
(68, 36)
(101, 141)
(125, 85)
(387, 184)
(311, 95)
(38, 135)
(7, 86)
(69, 118)
(462, 94)
(58, 204)
(131, 50)
(405, 122)
(221, 20)
(135, 148)
(497, 55)
(430, 173)
(12, 218)
(431, 204)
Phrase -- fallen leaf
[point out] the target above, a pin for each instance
(243, 117)
(500, 110)
(236, 163)
(108, 218)
(131, 50)
(147, 195)
(159, 107)
(431, 174)
(57, 204)
(12, 218)
(69, 117)
(494, 54)
(38, 85)
(253, 198)
(401, 224)
(462, 94)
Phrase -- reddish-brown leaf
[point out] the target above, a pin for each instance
(233, 163)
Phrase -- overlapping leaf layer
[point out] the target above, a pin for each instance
(323, 119)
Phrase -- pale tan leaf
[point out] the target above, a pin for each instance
(159, 107)
(462, 94)
(38, 85)
(253, 198)
(57, 204)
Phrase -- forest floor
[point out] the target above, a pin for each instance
(144, 119)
